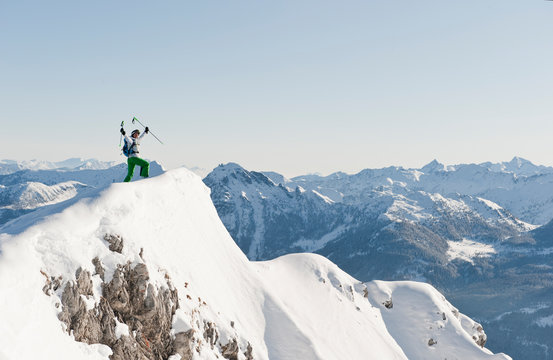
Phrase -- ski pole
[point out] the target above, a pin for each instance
(135, 119)
(121, 136)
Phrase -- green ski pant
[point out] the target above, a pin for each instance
(144, 167)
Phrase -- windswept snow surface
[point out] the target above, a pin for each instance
(294, 307)
(420, 313)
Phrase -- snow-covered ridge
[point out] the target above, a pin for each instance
(518, 185)
(165, 232)
(28, 190)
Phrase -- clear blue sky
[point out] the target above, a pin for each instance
(291, 86)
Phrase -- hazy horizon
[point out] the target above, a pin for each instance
(200, 169)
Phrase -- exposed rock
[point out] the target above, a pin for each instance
(107, 322)
(116, 291)
(115, 242)
(126, 349)
(455, 313)
(230, 350)
(389, 304)
(52, 283)
(98, 268)
(432, 342)
(249, 352)
(480, 337)
(75, 314)
(184, 344)
(211, 335)
(145, 309)
(132, 300)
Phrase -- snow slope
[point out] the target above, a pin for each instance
(27, 190)
(294, 307)
(415, 304)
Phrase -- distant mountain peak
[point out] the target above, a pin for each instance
(229, 166)
(230, 171)
(519, 162)
(519, 167)
(433, 166)
(224, 170)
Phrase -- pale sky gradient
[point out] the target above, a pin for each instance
(290, 86)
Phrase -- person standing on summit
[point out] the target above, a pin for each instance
(130, 150)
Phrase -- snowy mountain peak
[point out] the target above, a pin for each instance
(232, 173)
(433, 166)
(225, 170)
(518, 161)
(517, 164)
(518, 167)
(231, 166)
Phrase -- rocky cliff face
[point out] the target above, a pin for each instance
(133, 317)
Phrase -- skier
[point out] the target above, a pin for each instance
(130, 149)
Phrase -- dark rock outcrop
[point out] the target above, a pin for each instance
(389, 304)
(52, 283)
(480, 338)
(230, 350)
(128, 299)
(249, 352)
(131, 315)
(115, 242)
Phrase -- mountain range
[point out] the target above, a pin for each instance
(480, 233)
(11, 166)
(147, 270)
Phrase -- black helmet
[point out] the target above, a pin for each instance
(135, 131)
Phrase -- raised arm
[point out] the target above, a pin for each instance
(127, 138)
(146, 130)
